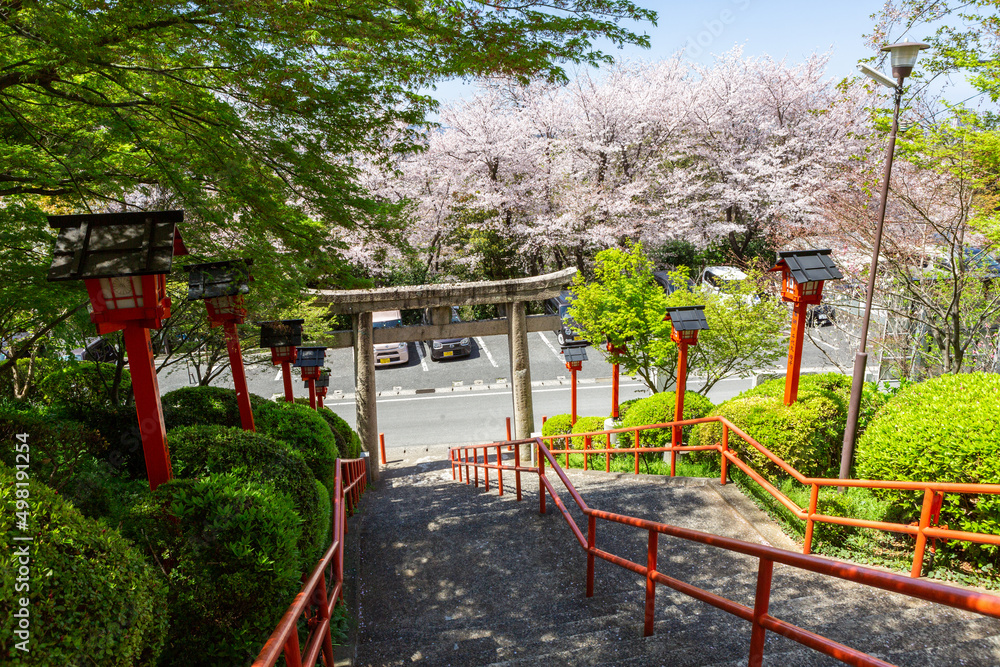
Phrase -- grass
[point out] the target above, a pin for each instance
(950, 561)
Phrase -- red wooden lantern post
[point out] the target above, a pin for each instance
(322, 385)
(616, 351)
(124, 259)
(574, 356)
(802, 276)
(222, 286)
(686, 322)
(310, 360)
(282, 336)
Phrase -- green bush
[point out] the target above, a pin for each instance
(659, 408)
(101, 491)
(304, 431)
(58, 446)
(228, 547)
(946, 429)
(82, 386)
(348, 442)
(808, 435)
(190, 406)
(42, 367)
(557, 425)
(201, 451)
(625, 406)
(588, 425)
(92, 595)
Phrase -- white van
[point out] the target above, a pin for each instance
(387, 354)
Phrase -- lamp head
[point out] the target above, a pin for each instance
(877, 76)
(904, 57)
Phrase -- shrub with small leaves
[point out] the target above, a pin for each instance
(658, 409)
(304, 431)
(589, 425)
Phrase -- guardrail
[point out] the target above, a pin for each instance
(758, 616)
(931, 507)
(315, 602)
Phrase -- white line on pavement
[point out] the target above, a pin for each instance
(551, 346)
(825, 344)
(482, 346)
(420, 355)
(277, 378)
(483, 393)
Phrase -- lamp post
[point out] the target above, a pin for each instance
(310, 360)
(616, 351)
(322, 384)
(124, 259)
(221, 285)
(685, 322)
(903, 58)
(802, 276)
(574, 357)
(282, 336)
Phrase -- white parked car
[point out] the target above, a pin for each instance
(387, 354)
(723, 280)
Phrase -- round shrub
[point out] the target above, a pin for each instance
(229, 548)
(85, 385)
(557, 425)
(58, 446)
(351, 447)
(39, 369)
(189, 406)
(658, 409)
(201, 451)
(808, 435)
(625, 406)
(304, 431)
(946, 429)
(588, 425)
(92, 595)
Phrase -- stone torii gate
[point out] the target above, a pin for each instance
(515, 293)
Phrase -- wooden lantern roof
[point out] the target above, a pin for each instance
(108, 245)
(281, 333)
(808, 265)
(216, 279)
(575, 354)
(687, 318)
(309, 357)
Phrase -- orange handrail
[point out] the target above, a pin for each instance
(922, 531)
(758, 616)
(315, 602)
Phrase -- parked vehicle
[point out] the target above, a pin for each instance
(444, 348)
(669, 284)
(723, 280)
(559, 305)
(387, 354)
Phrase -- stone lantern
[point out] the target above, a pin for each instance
(802, 276)
(124, 259)
(221, 285)
(310, 360)
(282, 336)
(685, 322)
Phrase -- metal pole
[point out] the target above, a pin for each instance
(861, 358)
(239, 375)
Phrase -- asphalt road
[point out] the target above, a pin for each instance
(467, 399)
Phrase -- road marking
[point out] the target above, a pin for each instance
(816, 341)
(482, 346)
(277, 378)
(479, 394)
(420, 354)
(551, 346)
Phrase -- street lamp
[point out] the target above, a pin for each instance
(282, 336)
(322, 384)
(903, 58)
(616, 351)
(802, 276)
(574, 357)
(124, 259)
(221, 285)
(310, 360)
(685, 322)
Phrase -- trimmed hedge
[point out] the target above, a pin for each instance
(946, 429)
(625, 406)
(82, 386)
(302, 429)
(808, 434)
(91, 592)
(229, 548)
(557, 425)
(42, 367)
(201, 451)
(190, 406)
(659, 408)
(351, 447)
(587, 425)
(58, 446)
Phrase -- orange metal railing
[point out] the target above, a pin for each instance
(478, 457)
(933, 491)
(315, 602)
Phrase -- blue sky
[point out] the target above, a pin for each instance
(790, 29)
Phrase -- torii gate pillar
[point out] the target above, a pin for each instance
(520, 373)
(364, 388)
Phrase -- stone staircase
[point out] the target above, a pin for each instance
(451, 575)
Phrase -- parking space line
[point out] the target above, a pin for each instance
(482, 346)
(277, 378)
(551, 346)
(420, 355)
(464, 394)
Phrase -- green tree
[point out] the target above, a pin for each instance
(624, 306)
